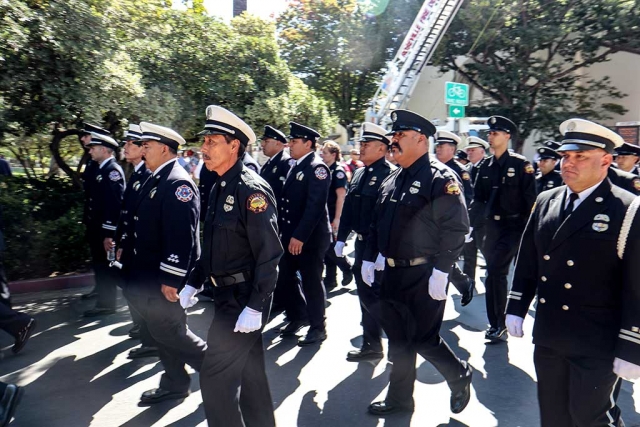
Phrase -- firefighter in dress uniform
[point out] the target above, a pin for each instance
(579, 255)
(549, 177)
(627, 157)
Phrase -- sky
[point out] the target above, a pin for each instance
(262, 8)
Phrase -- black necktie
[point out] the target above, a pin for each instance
(572, 199)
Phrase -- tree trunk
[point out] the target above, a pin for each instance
(55, 152)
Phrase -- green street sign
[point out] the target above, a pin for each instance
(456, 94)
(456, 112)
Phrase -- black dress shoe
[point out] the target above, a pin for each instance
(364, 354)
(460, 397)
(159, 395)
(490, 332)
(134, 332)
(90, 295)
(9, 403)
(23, 336)
(498, 334)
(468, 295)
(99, 311)
(347, 277)
(293, 327)
(383, 408)
(313, 336)
(138, 353)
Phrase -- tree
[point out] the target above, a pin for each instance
(530, 58)
(340, 47)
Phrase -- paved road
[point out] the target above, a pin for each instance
(76, 372)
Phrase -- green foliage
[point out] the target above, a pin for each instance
(530, 59)
(42, 226)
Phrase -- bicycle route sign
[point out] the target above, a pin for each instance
(456, 94)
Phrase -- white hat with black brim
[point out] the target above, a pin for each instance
(475, 142)
(221, 121)
(446, 137)
(580, 135)
(104, 140)
(373, 132)
(161, 134)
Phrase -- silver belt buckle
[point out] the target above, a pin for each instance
(213, 281)
(496, 217)
(360, 237)
(391, 262)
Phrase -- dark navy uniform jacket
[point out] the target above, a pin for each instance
(420, 212)
(465, 179)
(549, 181)
(88, 179)
(303, 203)
(361, 198)
(105, 200)
(166, 231)
(125, 232)
(338, 180)
(250, 162)
(205, 184)
(635, 170)
(625, 180)
(241, 234)
(588, 298)
(505, 187)
(275, 170)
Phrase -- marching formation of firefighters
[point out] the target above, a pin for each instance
(271, 231)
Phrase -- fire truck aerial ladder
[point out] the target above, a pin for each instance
(416, 50)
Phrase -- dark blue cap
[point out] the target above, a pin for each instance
(88, 127)
(503, 124)
(297, 130)
(273, 133)
(408, 120)
(628, 150)
(552, 144)
(548, 153)
(461, 155)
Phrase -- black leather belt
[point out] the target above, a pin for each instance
(233, 279)
(407, 262)
(501, 217)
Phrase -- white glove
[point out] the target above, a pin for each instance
(514, 325)
(438, 285)
(249, 320)
(467, 237)
(338, 248)
(368, 272)
(625, 369)
(188, 296)
(380, 262)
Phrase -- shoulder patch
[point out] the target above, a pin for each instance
(115, 176)
(340, 175)
(321, 173)
(452, 187)
(636, 184)
(466, 176)
(528, 168)
(184, 193)
(257, 203)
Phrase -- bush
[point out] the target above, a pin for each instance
(42, 226)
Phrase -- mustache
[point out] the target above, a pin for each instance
(396, 146)
(205, 157)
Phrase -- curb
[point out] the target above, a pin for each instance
(52, 284)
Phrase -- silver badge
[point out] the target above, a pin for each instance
(227, 208)
(374, 178)
(99, 178)
(601, 217)
(299, 176)
(600, 226)
(492, 120)
(275, 168)
(153, 192)
(413, 190)
(550, 184)
(571, 126)
(394, 116)
(230, 200)
(372, 182)
(136, 186)
(511, 174)
(416, 184)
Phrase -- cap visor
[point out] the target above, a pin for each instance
(211, 132)
(575, 147)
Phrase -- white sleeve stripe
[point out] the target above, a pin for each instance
(514, 297)
(172, 272)
(171, 267)
(109, 227)
(633, 340)
(515, 293)
(631, 334)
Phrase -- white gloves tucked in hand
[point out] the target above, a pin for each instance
(368, 272)
(188, 296)
(624, 369)
(467, 237)
(514, 325)
(438, 285)
(249, 320)
(338, 248)
(380, 262)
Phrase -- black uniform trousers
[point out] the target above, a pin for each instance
(576, 391)
(168, 330)
(369, 297)
(107, 278)
(233, 379)
(502, 238)
(412, 321)
(304, 301)
(470, 251)
(332, 263)
(11, 321)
